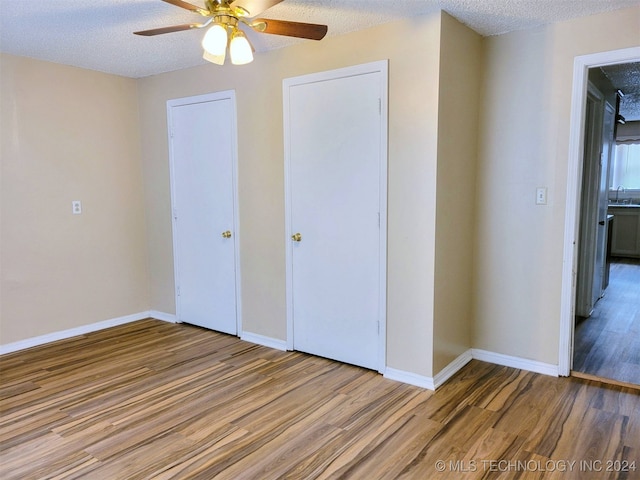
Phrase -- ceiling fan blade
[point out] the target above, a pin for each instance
(187, 6)
(312, 31)
(253, 7)
(174, 28)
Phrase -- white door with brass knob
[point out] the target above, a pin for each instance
(335, 159)
(203, 183)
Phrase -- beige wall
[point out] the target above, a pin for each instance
(68, 134)
(460, 68)
(413, 100)
(524, 132)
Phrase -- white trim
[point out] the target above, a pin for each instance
(515, 362)
(410, 378)
(430, 383)
(165, 317)
(287, 220)
(574, 178)
(382, 67)
(435, 382)
(72, 332)
(450, 370)
(233, 120)
(264, 341)
(209, 97)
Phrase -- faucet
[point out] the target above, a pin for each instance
(618, 192)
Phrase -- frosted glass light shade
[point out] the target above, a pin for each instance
(217, 59)
(215, 40)
(240, 49)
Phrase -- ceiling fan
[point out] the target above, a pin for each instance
(224, 16)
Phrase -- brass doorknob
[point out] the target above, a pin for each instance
(296, 237)
(226, 234)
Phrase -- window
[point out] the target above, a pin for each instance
(625, 169)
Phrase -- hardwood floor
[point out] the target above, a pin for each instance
(163, 401)
(607, 344)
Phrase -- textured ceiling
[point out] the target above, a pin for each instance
(97, 34)
(626, 78)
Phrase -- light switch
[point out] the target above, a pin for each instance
(76, 207)
(541, 196)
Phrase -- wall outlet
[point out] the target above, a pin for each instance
(541, 196)
(76, 207)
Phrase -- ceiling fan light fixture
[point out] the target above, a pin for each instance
(215, 40)
(240, 48)
(224, 34)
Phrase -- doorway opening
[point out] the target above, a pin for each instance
(607, 343)
(601, 273)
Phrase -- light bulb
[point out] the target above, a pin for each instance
(240, 49)
(215, 40)
(217, 59)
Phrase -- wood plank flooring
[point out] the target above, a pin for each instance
(163, 401)
(607, 344)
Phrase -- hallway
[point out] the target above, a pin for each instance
(607, 344)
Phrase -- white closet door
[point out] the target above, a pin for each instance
(203, 155)
(336, 173)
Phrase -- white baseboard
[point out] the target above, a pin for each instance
(72, 332)
(410, 378)
(165, 317)
(472, 354)
(450, 370)
(430, 383)
(515, 362)
(264, 341)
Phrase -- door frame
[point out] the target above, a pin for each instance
(363, 69)
(205, 98)
(588, 228)
(581, 67)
